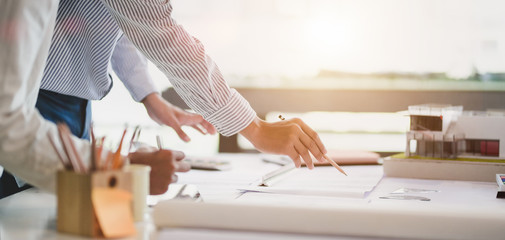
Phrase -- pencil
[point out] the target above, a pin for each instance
(99, 150)
(333, 163)
(60, 156)
(137, 129)
(116, 161)
(69, 147)
(94, 158)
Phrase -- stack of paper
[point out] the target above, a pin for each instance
(324, 181)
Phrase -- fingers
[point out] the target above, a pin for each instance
(178, 155)
(195, 121)
(209, 127)
(304, 153)
(181, 166)
(198, 128)
(309, 144)
(174, 178)
(312, 134)
(182, 135)
(295, 156)
(203, 126)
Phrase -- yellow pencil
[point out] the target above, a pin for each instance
(333, 163)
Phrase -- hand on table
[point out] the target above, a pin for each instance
(164, 164)
(291, 137)
(165, 113)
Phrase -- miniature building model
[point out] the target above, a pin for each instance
(445, 131)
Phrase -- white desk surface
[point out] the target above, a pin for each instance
(32, 214)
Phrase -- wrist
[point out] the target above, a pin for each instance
(252, 130)
(151, 98)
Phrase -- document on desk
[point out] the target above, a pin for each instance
(324, 181)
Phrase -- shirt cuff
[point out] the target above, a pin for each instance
(139, 93)
(232, 118)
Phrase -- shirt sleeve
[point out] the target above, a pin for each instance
(25, 149)
(131, 68)
(183, 59)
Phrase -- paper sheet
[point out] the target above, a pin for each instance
(296, 199)
(326, 181)
(246, 169)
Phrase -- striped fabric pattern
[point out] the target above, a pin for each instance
(194, 75)
(81, 47)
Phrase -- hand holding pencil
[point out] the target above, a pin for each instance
(291, 137)
(164, 163)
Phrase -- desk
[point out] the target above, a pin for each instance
(31, 214)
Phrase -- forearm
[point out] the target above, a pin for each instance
(183, 59)
(132, 69)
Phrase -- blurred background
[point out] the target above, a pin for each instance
(346, 67)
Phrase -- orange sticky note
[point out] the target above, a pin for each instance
(113, 211)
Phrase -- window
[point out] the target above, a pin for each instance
(348, 56)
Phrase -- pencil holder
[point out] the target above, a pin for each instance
(77, 208)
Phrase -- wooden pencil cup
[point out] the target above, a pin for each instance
(76, 214)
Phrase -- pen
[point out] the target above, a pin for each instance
(181, 191)
(158, 141)
(333, 163)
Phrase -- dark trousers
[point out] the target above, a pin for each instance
(55, 107)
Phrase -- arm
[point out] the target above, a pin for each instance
(25, 149)
(198, 81)
(131, 67)
(183, 59)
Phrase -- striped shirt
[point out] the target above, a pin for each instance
(150, 27)
(194, 75)
(86, 39)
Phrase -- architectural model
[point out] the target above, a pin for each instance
(445, 131)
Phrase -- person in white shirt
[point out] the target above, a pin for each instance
(25, 31)
(86, 43)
